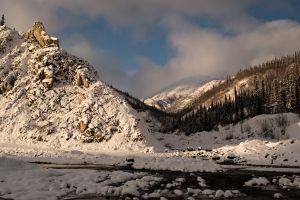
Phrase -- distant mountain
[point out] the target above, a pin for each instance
(52, 98)
(279, 73)
(177, 96)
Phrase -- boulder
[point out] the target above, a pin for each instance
(82, 126)
(8, 83)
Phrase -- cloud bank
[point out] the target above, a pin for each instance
(206, 52)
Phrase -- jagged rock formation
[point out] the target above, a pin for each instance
(52, 97)
(38, 33)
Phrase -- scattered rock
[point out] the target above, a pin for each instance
(178, 193)
(219, 194)
(216, 158)
(190, 149)
(231, 156)
(130, 160)
(278, 196)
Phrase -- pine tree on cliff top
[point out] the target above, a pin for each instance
(2, 21)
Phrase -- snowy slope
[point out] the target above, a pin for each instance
(262, 140)
(52, 98)
(224, 89)
(276, 127)
(176, 98)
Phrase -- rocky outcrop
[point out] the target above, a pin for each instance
(45, 75)
(8, 83)
(50, 96)
(81, 77)
(82, 126)
(6, 41)
(38, 33)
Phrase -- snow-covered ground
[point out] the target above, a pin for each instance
(264, 139)
(199, 152)
(244, 142)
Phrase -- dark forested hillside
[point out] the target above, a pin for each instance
(272, 87)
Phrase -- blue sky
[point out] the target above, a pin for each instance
(142, 46)
(124, 46)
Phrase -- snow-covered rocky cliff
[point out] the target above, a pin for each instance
(52, 98)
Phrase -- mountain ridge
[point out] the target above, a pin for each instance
(176, 98)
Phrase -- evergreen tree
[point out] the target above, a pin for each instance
(2, 22)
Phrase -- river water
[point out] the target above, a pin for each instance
(231, 179)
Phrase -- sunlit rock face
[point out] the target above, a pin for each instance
(38, 32)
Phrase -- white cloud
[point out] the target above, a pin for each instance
(135, 14)
(102, 60)
(22, 14)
